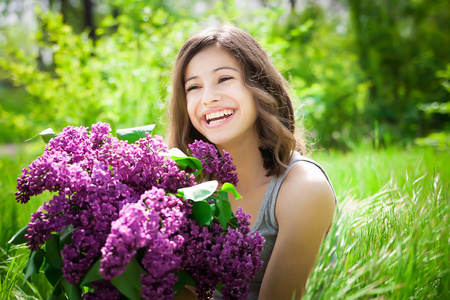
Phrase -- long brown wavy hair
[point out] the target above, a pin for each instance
(275, 122)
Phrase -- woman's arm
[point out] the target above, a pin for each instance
(304, 211)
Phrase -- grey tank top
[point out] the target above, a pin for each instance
(267, 225)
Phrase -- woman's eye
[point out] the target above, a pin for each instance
(224, 78)
(192, 87)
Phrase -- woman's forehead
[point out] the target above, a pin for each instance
(212, 58)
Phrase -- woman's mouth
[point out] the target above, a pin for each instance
(218, 116)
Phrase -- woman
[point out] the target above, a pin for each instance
(227, 92)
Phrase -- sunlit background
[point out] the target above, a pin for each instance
(361, 71)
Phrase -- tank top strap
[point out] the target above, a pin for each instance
(266, 213)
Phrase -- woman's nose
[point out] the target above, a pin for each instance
(210, 96)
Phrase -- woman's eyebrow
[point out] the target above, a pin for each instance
(215, 70)
(226, 68)
(190, 78)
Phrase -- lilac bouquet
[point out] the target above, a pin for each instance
(127, 218)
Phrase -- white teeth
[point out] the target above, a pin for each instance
(218, 114)
(214, 122)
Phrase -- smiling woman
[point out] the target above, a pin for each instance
(219, 104)
(227, 92)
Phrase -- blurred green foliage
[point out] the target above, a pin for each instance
(121, 79)
(360, 70)
(401, 47)
(439, 139)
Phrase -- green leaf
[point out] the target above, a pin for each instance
(234, 222)
(184, 278)
(57, 297)
(219, 287)
(229, 188)
(54, 276)
(225, 211)
(129, 282)
(46, 135)
(134, 134)
(188, 161)
(66, 236)
(213, 208)
(190, 280)
(18, 238)
(57, 293)
(34, 263)
(200, 191)
(93, 274)
(73, 291)
(53, 252)
(202, 213)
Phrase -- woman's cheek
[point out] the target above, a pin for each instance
(191, 112)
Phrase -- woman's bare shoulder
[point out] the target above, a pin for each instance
(305, 190)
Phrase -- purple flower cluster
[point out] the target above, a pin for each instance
(229, 257)
(119, 199)
(153, 223)
(92, 175)
(221, 167)
(103, 289)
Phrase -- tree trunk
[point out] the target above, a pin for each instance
(292, 2)
(89, 18)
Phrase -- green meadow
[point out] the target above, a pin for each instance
(390, 238)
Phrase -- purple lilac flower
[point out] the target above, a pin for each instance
(130, 232)
(161, 262)
(239, 263)
(103, 289)
(81, 254)
(221, 167)
(94, 175)
(153, 223)
(230, 257)
(117, 197)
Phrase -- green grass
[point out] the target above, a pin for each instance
(13, 217)
(390, 240)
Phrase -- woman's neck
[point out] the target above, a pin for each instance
(249, 165)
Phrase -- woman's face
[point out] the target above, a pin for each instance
(219, 104)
